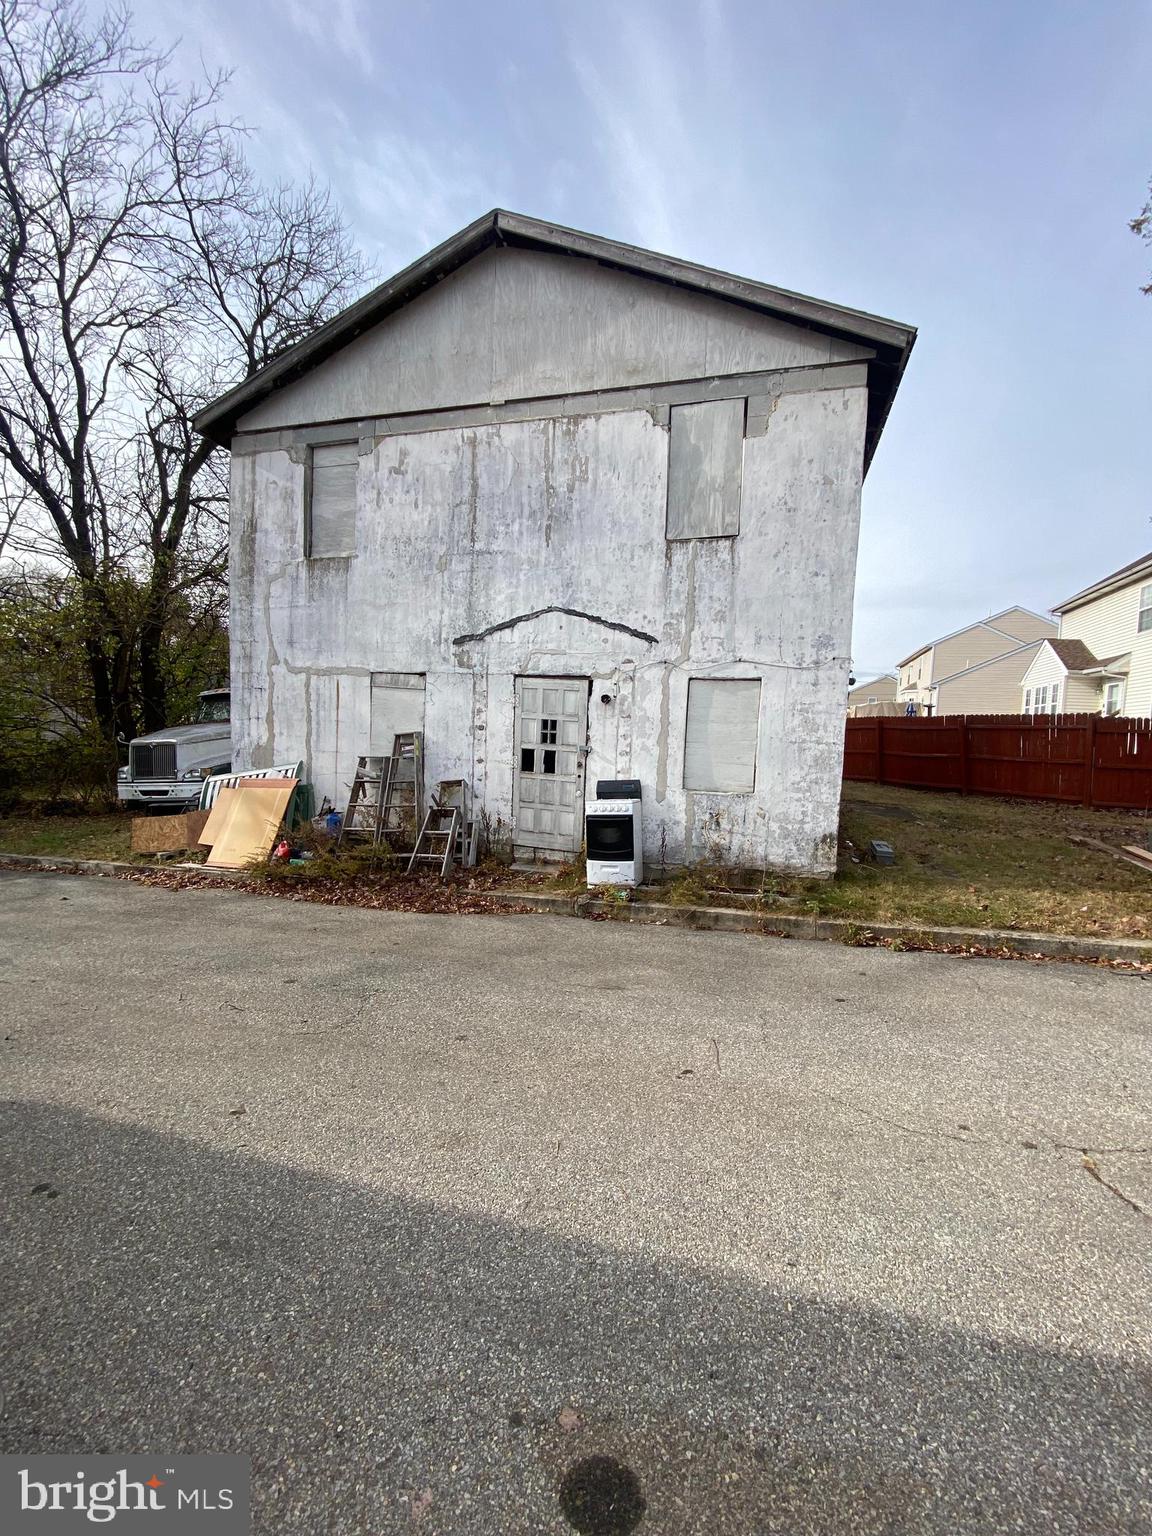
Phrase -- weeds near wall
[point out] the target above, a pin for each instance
(495, 840)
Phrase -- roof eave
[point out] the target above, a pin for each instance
(1128, 577)
(892, 340)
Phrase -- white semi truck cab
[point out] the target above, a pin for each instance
(168, 767)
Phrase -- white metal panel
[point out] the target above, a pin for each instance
(332, 513)
(397, 708)
(721, 734)
(705, 456)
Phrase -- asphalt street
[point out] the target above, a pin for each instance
(524, 1224)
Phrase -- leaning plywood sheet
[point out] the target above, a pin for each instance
(217, 817)
(250, 820)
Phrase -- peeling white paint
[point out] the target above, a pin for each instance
(461, 530)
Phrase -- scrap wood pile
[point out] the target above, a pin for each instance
(239, 832)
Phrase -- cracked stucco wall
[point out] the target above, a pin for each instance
(459, 531)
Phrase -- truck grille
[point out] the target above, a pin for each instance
(154, 760)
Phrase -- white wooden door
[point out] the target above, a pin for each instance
(551, 744)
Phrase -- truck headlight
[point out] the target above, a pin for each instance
(123, 774)
(194, 773)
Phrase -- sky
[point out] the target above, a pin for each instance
(968, 169)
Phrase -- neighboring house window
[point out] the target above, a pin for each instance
(705, 462)
(330, 501)
(1113, 698)
(1144, 620)
(1040, 700)
(1027, 701)
(721, 734)
(871, 698)
(1045, 700)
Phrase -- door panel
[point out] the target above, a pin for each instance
(551, 733)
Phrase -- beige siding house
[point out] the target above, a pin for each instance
(1101, 662)
(951, 675)
(875, 698)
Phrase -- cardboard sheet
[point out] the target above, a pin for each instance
(244, 822)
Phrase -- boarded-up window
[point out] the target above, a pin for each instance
(721, 733)
(705, 458)
(397, 708)
(331, 529)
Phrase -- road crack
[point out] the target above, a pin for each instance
(1093, 1172)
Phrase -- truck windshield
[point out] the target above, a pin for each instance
(213, 711)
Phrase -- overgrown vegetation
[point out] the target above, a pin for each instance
(979, 862)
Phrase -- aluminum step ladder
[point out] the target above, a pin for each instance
(447, 835)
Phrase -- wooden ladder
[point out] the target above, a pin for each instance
(386, 793)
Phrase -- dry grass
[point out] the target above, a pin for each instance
(974, 861)
(68, 837)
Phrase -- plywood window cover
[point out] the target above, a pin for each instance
(331, 500)
(705, 469)
(730, 772)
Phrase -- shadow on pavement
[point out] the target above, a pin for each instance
(394, 1366)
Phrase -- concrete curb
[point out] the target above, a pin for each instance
(837, 929)
(714, 919)
(114, 867)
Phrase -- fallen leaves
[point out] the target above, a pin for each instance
(422, 892)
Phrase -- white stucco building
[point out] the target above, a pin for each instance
(575, 511)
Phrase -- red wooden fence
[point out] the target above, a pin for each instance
(1081, 759)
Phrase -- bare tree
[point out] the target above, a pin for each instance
(263, 270)
(140, 265)
(1142, 225)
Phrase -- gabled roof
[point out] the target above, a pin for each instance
(991, 661)
(1074, 656)
(891, 341)
(988, 623)
(1125, 576)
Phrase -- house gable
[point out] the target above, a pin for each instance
(1046, 667)
(1022, 624)
(589, 316)
(516, 324)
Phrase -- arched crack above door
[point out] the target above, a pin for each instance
(539, 613)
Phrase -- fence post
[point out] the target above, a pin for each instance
(963, 754)
(1089, 759)
(880, 722)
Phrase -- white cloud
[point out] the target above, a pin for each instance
(405, 196)
(336, 23)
